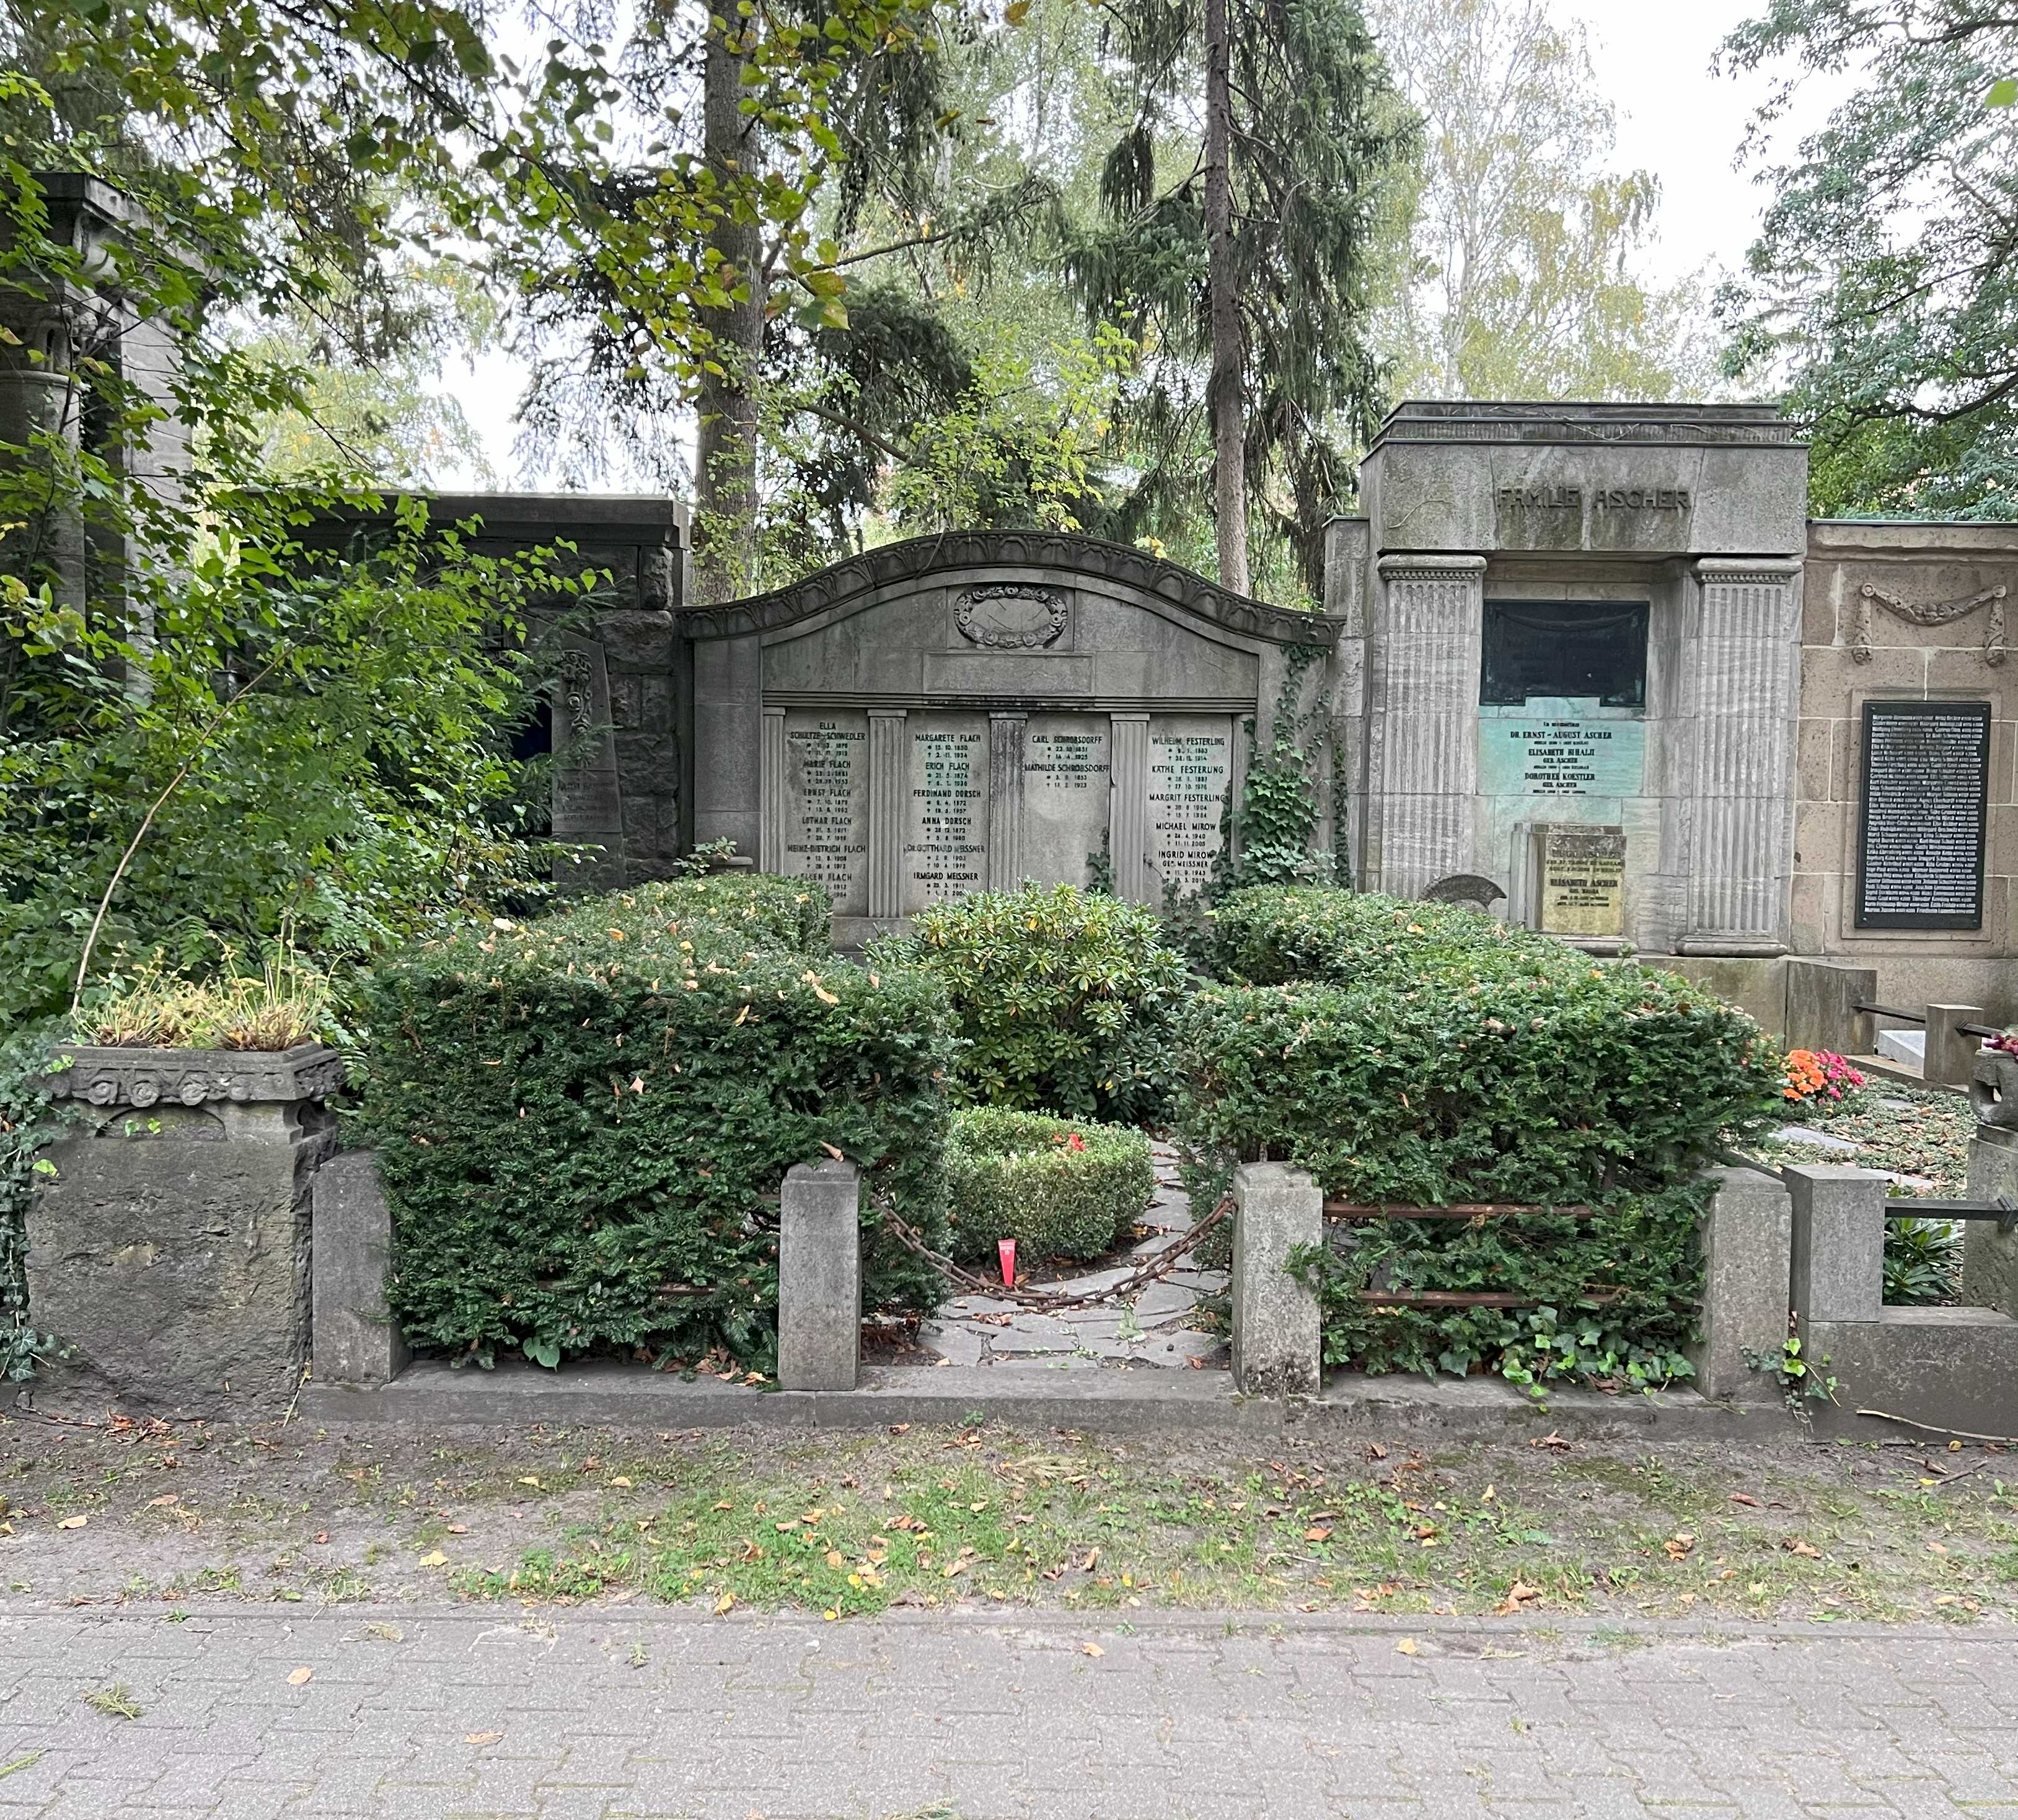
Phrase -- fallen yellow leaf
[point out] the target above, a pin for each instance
(723, 1604)
(73, 1522)
(620, 1482)
(482, 1737)
(434, 1557)
(529, 1479)
(836, 1559)
(301, 1677)
(1091, 1649)
(1407, 1646)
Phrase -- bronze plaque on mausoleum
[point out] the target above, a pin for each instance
(1926, 795)
(1583, 881)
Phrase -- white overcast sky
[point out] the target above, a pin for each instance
(1675, 119)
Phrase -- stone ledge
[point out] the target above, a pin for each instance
(430, 1393)
(149, 1077)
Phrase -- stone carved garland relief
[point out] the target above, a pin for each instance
(1934, 613)
(1009, 616)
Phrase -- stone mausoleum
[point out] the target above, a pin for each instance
(1590, 666)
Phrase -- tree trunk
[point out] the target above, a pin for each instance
(1223, 397)
(725, 453)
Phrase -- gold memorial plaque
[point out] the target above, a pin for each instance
(1583, 881)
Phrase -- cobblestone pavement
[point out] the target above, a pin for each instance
(598, 1715)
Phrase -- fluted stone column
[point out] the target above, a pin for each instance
(1005, 801)
(888, 809)
(1424, 765)
(1128, 821)
(1741, 682)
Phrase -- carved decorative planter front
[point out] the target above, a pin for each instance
(170, 1251)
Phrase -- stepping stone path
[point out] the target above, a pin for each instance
(1153, 1332)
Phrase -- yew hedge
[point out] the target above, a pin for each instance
(583, 1121)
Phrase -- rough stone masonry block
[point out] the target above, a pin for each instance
(1747, 1241)
(170, 1249)
(1278, 1339)
(1989, 1256)
(355, 1340)
(1951, 1054)
(819, 1277)
(1838, 1242)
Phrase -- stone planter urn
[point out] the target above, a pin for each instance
(169, 1253)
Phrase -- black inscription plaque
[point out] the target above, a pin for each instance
(1926, 794)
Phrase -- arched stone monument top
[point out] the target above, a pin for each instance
(1011, 559)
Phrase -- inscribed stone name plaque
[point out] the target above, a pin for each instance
(1065, 769)
(945, 835)
(1583, 880)
(1926, 778)
(1190, 768)
(825, 835)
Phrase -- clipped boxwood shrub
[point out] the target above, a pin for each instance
(1064, 997)
(1523, 1083)
(1059, 1188)
(583, 1121)
(1274, 934)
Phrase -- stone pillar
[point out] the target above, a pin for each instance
(1747, 1239)
(1128, 819)
(771, 854)
(1277, 1338)
(889, 807)
(1423, 756)
(1951, 1055)
(1837, 1253)
(1989, 1255)
(1005, 801)
(170, 1248)
(1822, 998)
(819, 1277)
(1740, 690)
(354, 1338)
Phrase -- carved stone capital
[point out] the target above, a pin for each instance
(144, 1077)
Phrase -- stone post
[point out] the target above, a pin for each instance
(1838, 1242)
(1822, 998)
(1005, 800)
(770, 855)
(171, 1247)
(1989, 1255)
(354, 1339)
(1424, 776)
(1951, 1055)
(819, 1277)
(889, 809)
(1277, 1341)
(1747, 1239)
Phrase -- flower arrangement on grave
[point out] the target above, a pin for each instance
(1816, 1075)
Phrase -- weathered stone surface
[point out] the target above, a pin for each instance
(354, 1338)
(1989, 1256)
(1838, 1242)
(1821, 1000)
(1942, 1368)
(1949, 1053)
(1277, 1340)
(1746, 1238)
(144, 1077)
(819, 1277)
(171, 1251)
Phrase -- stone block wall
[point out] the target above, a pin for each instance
(1904, 611)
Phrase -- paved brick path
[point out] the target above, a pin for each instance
(606, 1714)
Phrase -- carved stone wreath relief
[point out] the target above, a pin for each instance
(1936, 613)
(1009, 616)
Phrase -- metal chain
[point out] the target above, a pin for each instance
(1050, 1300)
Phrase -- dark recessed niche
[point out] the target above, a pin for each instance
(1569, 648)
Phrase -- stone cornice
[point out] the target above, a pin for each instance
(1430, 567)
(1756, 571)
(1045, 555)
(143, 1077)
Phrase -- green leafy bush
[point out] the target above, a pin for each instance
(1923, 1262)
(1616, 1298)
(1059, 1188)
(1432, 1056)
(1274, 934)
(1063, 998)
(583, 1121)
